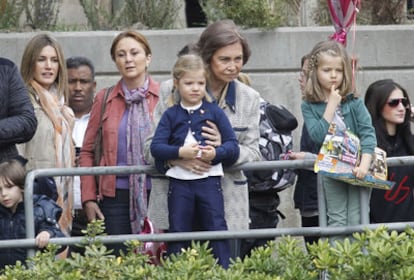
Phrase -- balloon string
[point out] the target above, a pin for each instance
(354, 60)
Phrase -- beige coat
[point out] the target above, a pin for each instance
(41, 153)
(245, 122)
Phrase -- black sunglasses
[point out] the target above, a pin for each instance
(395, 102)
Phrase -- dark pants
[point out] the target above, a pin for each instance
(116, 212)
(310, 222)
(201, 201)
(79, 223)
(263, 214)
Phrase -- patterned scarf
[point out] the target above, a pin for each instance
(62, 118)
(138, 129)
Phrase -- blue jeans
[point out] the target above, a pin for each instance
(116, 212)
(200, 200)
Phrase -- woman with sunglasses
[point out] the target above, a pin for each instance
(390, 109)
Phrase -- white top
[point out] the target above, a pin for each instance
(78, 133)
(79, 129)
(180, 173)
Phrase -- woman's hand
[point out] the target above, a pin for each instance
(212, 134)
(196, 166)
(93, 211)
(42, 239)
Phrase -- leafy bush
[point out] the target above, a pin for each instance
(42, 14)
(37, 14)
(98, 17)
(10, 11)
(371, 12)
(385, 11)
(263, 14)
(160, 14)
(377, 254)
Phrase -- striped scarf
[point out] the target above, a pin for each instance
(63, 119)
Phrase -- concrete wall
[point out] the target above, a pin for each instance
(383, 52)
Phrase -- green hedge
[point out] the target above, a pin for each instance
(377, 254)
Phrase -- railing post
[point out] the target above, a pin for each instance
(28, 208)
(322, 230)
(364, 198)
(321, 202)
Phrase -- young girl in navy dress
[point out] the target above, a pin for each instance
(194, 195)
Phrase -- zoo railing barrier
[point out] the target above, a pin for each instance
(322, 230)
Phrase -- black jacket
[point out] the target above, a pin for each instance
(12, 226)
(397, 204)
(17, 118)
(306, 191)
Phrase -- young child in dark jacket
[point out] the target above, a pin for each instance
(194, 195)
(12, 214)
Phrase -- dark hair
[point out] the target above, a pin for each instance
(218, 35)
(376, 98)
(13, 172)
(190, 48)
(75, 62)
(303, 59)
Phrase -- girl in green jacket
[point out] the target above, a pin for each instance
(328, 98)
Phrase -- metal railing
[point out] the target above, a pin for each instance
(322, 230)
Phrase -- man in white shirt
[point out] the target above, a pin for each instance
(82, 86)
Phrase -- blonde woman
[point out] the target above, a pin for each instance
(43, 69)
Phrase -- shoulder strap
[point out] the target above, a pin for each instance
(99, 138)
(107, 92)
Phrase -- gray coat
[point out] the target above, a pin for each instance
(17, 118)
(244, 118)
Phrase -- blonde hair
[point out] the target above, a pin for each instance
(185, 64)
(313, 91)
(29, 59)
(244, 78)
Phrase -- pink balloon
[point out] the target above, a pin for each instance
(343, 13)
